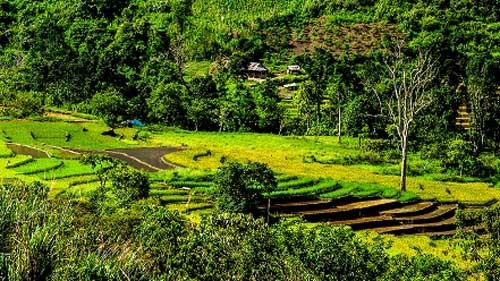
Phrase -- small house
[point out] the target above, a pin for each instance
(291, 87)
(293, 69)
(256, 70)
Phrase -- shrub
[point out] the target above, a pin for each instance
(376, 145)
(202, 154)
(240, 186)
(421, 267)
(24, 104)
(459, 155)
(488, 164)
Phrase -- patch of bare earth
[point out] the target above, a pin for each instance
(355, 38)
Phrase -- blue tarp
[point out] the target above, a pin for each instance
(137, 123)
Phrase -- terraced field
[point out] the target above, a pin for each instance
(370, 212)
(386, 216)
(68, 178)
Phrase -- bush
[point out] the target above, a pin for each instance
(459, 155)
(320, 130)
(202, 154)
(23, 104)
(488, 165)
(376, 145)
(240, 186)
(421, 267)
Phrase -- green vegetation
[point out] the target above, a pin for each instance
(223, 245)
(287, 154)
(240, 187)
(368, 190)
(294, 183)
(4, 151)
(40, 166)
(68, 169)
(83, 135)
(315, 189)
(258, 101)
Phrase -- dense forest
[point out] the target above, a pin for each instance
(179, 63)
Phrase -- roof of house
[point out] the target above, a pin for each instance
(292, 85)
(255, 66)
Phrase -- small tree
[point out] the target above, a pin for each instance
(410, 81)
(240, 186)
(268, 108)
(167, 104)
(109, 105)
(127, 184)
(460, 154)
(308, 99)
(483, 97)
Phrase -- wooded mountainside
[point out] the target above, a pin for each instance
(180, 63)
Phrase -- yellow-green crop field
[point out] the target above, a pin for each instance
(286, 155)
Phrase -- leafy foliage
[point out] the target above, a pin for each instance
(239, 186)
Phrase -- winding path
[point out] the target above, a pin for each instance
(145, 158)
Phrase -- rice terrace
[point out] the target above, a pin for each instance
(294, 140)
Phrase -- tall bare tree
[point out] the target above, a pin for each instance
(410, 80)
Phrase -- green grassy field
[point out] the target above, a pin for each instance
(287, 155)
(82, 134)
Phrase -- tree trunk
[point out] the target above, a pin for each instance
(318, 112)
(340, 126)
(404, 162)
(268, 209)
